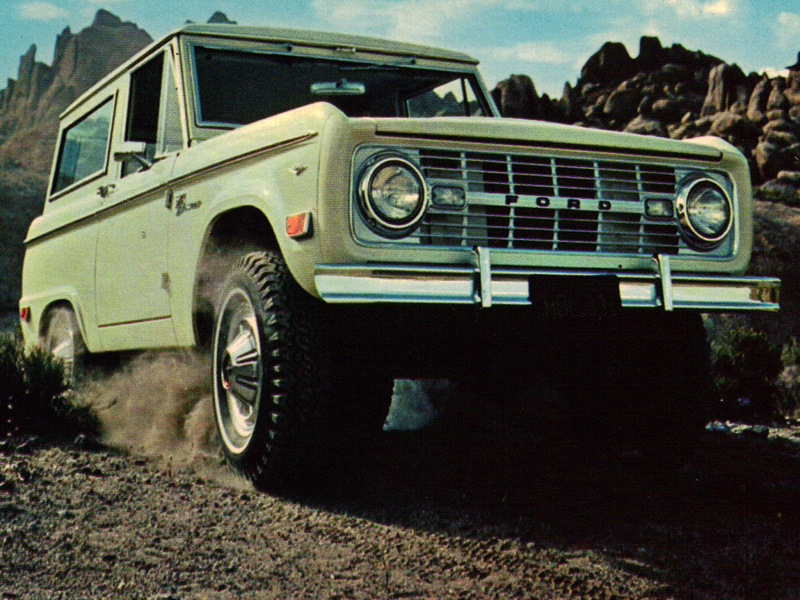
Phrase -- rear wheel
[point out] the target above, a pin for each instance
(63, 340)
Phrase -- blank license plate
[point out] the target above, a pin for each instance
(575, 296)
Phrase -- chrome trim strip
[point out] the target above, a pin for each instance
(367, 283)
(665, 276)
(485, 268)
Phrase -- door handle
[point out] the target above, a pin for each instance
(106, 190)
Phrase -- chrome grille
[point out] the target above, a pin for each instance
(548, 229)
(548, 176)
(520, 201)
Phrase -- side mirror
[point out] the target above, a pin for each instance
(132, 151)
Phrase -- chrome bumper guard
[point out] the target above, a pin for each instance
(483, 285)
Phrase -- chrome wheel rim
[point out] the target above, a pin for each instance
(238, 371)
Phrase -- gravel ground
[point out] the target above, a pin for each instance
(420, 516)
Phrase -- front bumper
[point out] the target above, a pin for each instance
(485, 285)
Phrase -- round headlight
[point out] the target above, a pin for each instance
(705, 212)
(393, 194)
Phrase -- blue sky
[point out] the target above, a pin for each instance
(546, 39)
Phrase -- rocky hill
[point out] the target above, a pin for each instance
(677, 93)
(29, 109)
(30, 104)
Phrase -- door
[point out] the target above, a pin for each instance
(132, 280)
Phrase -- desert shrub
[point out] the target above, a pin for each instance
(745, 368)
(790, 354)
(35, 398)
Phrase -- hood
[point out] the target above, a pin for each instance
(541, 134)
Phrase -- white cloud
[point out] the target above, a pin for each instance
(787, 28)
(41, 11)
(693, 8)
(719, 8)
(773, 72)
(534, 52)
(412, 20)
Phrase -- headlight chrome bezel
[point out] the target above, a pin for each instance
(374, 217)
(690, 188)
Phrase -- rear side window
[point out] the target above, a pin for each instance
(84, 147)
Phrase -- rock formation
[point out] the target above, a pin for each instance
(31, 103)
(678, 93)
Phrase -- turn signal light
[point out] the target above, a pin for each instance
(299, 225)
(25, 314)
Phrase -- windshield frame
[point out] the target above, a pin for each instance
(358, 60)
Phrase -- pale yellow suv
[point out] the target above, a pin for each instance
(328, 212)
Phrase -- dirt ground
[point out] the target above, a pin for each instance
(435, 515)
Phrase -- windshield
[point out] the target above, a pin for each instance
(235, 87)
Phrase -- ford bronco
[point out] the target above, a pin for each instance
(328, 212)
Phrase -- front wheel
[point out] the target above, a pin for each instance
(269, 371)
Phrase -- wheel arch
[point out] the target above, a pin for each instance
(229, 235)
(47, 314)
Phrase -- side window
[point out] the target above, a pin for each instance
(453, 99)
(153, 111)
(84, 147)
(143, 104)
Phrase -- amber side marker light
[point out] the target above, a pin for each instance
(299, 225)
(25, 314)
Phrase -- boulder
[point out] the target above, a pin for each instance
(516, 97)
(646, 126)
(611, 63)
(727, 84)
(651, 53)
(781, 138)
(622, 104)
(777, 114)
(730, 123)
(792, 91)
(220, 17)
(673, 74)
(793, 114)
(786, 182)
(777, 100)
(757, 104)
(570, 103)
(690, 128)
(772, 158)
(669, 110)
(784, 125)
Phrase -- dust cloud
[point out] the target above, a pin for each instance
(159, 405)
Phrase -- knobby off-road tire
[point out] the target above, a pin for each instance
(270, 372)
(63, 340)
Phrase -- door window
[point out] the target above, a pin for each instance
(84, 147)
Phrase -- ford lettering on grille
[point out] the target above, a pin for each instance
(549, 203)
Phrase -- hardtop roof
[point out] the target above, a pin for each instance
(303, 37)
(324, 39)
